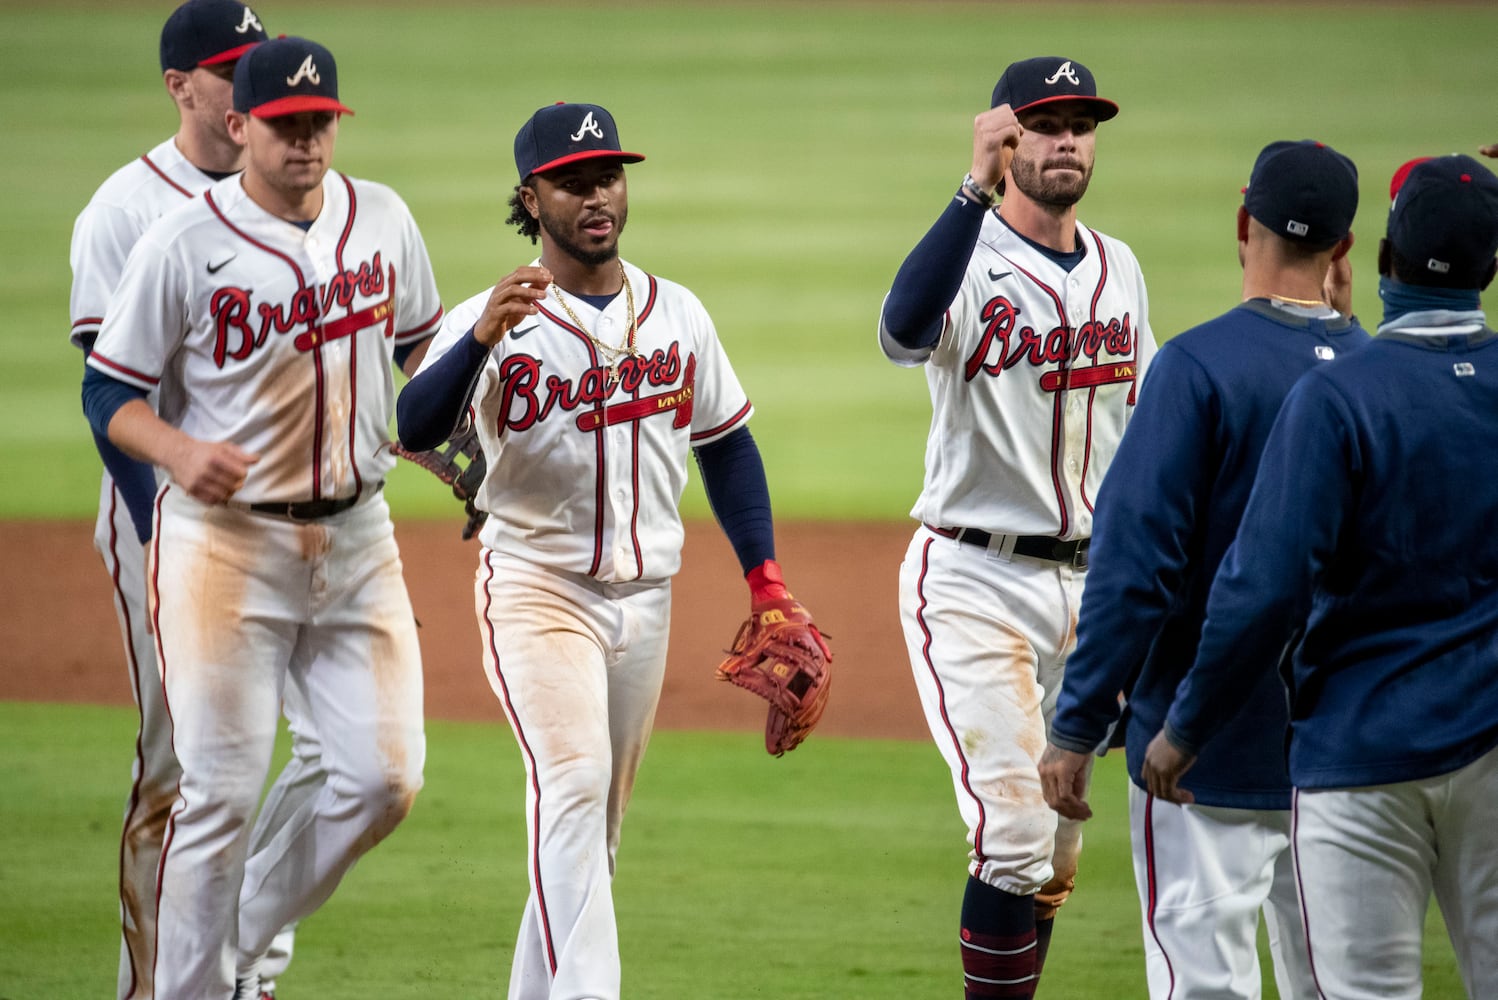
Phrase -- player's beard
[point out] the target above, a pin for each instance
(562, 236)
(1058, 190)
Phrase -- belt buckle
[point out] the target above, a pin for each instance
(1078, 558)
(291, 515)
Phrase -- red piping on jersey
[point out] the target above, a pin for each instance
(649, 300)
(421, 328)
(87, 321)
(1097, 295)
(634, 484)
(1057, 419)
(353, 347)
(1153, 888)
(162, 174)
(127, 372)
(600, 485)
(530, 760)
(725, 425)
(941, 700)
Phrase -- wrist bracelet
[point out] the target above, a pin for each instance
(985, 198)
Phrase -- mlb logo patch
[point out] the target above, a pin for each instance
(1464, 369)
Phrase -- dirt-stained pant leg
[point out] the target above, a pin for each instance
(578, 667)
(242, 603)
(356, 674)
(987, 638)
(154, 771)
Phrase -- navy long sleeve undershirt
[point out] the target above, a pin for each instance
(733, 474)
(135, 480)
(931, 275)
(432, 403)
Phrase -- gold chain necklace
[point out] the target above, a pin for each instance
(612, 355)
(1307, 303)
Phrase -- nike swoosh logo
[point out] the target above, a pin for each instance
(998, 277)
(517, 334)
(215, 268)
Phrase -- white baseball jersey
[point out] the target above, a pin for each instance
(1032, 384)
(123, 208)
(586, 476)
(266, 330)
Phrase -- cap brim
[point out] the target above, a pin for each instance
(294, 105)
(589, 154)
(1104, 108)
(228, 55)
(1403, 173)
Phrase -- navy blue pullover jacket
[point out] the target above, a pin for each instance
(1167, 512)
(1370, 526)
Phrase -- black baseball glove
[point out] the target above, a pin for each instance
(459, 462)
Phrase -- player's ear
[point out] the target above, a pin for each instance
(1343, 245)
(528, 199)
(1385, 258)
(1242, 224)
(177, 85)
(1487, 279)
(238, 126)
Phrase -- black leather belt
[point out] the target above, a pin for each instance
(311, 510)
(1073, 552)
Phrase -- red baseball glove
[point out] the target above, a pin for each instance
(780, 655)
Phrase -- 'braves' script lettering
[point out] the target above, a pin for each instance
(242, 325)
(529, 396)
(1006, 342)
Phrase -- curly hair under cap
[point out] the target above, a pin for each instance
(521, 218)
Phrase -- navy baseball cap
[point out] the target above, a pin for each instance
(1043, 80)
(206, 32)
(564, 133)
(1443, 224)
(284, 76)
(1305, 192)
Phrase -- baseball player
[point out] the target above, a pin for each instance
(1166, 514)
(589, 380)
(1364, 538)
(201, 42)
(1034, 332)
(267, 313)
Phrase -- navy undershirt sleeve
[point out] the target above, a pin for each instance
(734, 476)
(136, 480)
(432, 403)
(403, 351)
(931, 276)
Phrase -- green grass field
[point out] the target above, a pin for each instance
(796, 152)
(833, 873)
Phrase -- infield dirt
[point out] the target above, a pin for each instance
(59, 640)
